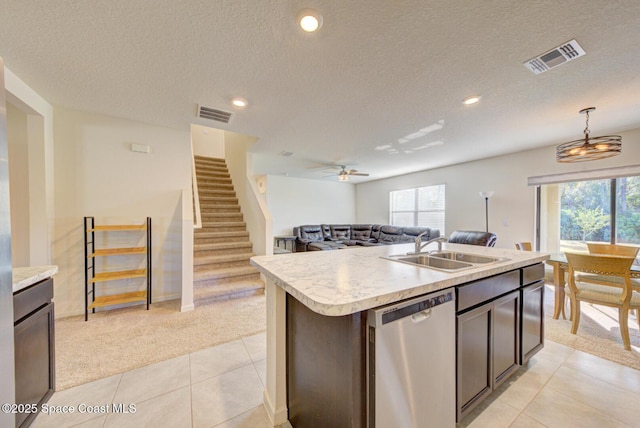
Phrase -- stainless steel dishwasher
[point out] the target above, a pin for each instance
(411, 363)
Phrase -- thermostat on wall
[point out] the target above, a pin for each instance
(140, 148)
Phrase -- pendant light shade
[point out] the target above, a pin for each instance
(588, 148)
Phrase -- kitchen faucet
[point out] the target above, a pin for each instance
(420, 245)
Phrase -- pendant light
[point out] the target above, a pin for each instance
(589, 148)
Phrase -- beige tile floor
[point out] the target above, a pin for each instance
(222, 387)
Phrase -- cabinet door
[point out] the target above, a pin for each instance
(506, 336)
(34, 361)
(473, 374)
(532, 325)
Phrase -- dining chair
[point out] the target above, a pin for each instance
(617, 293)
(524, 246)
(612, 249)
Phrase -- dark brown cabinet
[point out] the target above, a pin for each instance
(326, 381)
(506, 337)
(34, 348)
(473, 372)
(500, 325)
(487, 349)
(532, 321)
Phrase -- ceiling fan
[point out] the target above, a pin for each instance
(344, 173)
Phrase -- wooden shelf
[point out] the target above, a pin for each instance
(118, 299)
(111, 228)
(92, 276)
(123, 274)
(118, 251)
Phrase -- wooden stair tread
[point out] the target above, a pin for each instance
(117, 299)
(123, 274)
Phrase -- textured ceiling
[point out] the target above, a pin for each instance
(378, 89)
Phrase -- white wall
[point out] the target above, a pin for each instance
(207, 141)
(236, 148)
(39, 132)
(17, 139)
(511, 208)
(296, 201)
(98, 175)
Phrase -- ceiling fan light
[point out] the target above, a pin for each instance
(343, 177)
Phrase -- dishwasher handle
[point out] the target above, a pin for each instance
(421, 316)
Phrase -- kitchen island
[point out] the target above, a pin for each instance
(311, 295)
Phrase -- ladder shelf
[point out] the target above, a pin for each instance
(93, 276)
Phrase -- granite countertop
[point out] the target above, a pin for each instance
(26, 276)
(342, 282)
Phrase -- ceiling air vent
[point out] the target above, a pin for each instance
(555, 57)
(213, 114)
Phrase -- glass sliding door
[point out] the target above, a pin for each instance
(577, 212)
(627, 219)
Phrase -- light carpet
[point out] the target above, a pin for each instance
(119, 340)
(598, 333)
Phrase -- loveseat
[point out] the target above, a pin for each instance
(335, 236)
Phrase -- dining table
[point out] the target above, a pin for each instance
(558, 261)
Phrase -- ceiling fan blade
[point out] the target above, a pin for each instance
(331, 175)
(364, 174)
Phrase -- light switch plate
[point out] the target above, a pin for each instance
(140, 148)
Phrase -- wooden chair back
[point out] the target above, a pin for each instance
(524, 246)
(603, 266)
(613, 250)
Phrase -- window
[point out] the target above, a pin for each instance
(422, 206)
(601, 210)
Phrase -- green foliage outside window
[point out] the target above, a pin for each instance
(585, 210)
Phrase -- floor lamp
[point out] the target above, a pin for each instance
(486, 196)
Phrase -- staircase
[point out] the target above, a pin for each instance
(221, 248)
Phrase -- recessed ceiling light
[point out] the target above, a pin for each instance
(309, 20)
(239, 102)
(471, 100)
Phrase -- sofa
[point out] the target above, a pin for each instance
(472, 237)
(324, 237)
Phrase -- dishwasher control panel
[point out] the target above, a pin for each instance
(399, 311)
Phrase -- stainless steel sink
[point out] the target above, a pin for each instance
(447, 261)
(432, 262)
(465, 257)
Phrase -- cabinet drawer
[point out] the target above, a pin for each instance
(531, 274)
(31, 298)
(487, 289)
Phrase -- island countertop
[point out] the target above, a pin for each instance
(26, 276)
(346, 281)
